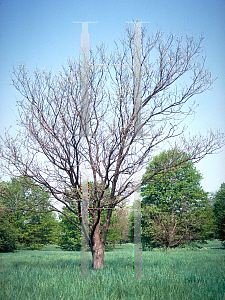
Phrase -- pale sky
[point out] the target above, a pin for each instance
(42, 34)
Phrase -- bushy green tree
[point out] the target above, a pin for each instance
(38, 230)
(175, 209)
(219, 211)
(8, 232)
(32, 230)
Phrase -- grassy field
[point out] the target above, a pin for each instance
(175, 274)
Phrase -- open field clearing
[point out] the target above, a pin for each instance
(175, 274)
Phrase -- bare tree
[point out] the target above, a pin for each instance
(52, 123)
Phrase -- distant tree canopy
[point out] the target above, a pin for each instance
(119, 227)
(219, 211)
(20, 225)
(175, 209)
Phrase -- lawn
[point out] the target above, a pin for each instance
(174, 274)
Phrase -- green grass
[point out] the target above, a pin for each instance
(49, 274)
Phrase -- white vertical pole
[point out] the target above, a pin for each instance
(137, 122)
(137, 259)
(84, 79)
(84, 132)
(84, 242)
(137, 76)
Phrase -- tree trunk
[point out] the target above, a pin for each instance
(98, 251)
(98, 244)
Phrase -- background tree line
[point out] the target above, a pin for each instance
(23, 228)
(175, 212)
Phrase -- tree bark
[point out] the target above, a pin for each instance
(98, 251)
